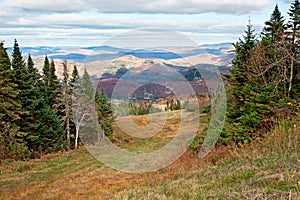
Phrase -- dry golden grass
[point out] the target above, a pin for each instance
(268, 168)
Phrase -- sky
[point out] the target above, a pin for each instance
(93, 22)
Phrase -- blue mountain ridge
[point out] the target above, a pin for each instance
(113, 52)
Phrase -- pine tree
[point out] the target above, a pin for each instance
(242, 49)
(294, 22)
(40, 125)
(83, 100)
(46, 78)
(294, 36)
(75, 75)
(30, 63)
(262, 78)
(46, 71)
(105, 113)
(65, 105)
(275, 27)
(240, 87)
(23, 86)
(17, 63)
(54, 86)
(10, 110)
(243, 46)
(32, 72)
(87, 85)
(4, 59)
(45, 133)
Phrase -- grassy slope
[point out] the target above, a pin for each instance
(269, 168)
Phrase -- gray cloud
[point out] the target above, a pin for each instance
(78, 22)
(70, 22)
(140, 6)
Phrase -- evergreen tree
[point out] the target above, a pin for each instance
(40, 125)
(44, 132)
(23, 86)
(105, 113)
(87, 85)
(294, 36)
(65, 105)
(243, 46)
(274, 28)
(54, 86)
(242, 49)
(83, 110)
(18, 63)
(10, 110)
(74, 83)
(4, 59)
(262, 78)
(241, 86)
(30, 63)
(75, 75)
(294, 22)
(46, 71)
(46, 78)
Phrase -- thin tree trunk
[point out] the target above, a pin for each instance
(291, 78)
(68, 122)
(68, 132)
(76, 137)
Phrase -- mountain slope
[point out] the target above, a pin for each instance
(269, 168)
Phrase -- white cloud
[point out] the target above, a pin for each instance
(141, 6)
(81, 29)
(83, 22)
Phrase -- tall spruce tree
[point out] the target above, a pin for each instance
(23, 86)
(54, 86)
(294, 25)
(83, 101)
(294, 35)
(87, 85)
(263, 77)
(45, 133)
(40, 125)
(18, 64)
(45, 78)
(75, 75)
(65, 105)
(30, 63)
(105, 113)
(242, 49)
(242, 112)
(46, 71)
(275, 27)
(10, 110)
(73, 83)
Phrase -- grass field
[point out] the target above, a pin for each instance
(268, 168)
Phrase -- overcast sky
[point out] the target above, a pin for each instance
(92, 22)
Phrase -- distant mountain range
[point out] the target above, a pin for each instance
(139, 71)
(103, 53)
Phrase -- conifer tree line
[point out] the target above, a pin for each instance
(264, 84)
(36, 109)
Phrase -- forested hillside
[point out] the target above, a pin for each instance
(263, 87)
(37, 115)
